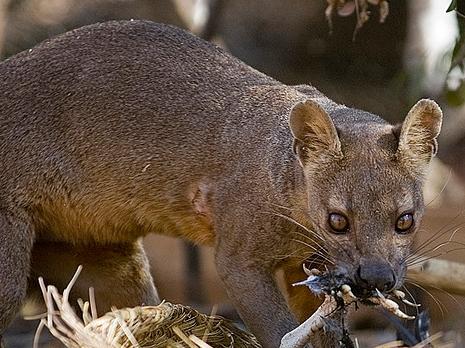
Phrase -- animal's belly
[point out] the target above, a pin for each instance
(79, 225)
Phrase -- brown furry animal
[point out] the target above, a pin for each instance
(116, 130)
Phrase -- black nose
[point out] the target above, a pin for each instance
(375, 274)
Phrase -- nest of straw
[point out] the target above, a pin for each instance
(165, 325)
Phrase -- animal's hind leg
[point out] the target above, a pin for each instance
(16, 239)
(118, 273)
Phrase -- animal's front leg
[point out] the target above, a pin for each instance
(253, 290)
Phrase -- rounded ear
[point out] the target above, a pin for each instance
(418, 136)
(315, 135)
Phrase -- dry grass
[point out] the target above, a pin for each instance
(165, 325)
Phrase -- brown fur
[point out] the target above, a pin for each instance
(116, 130)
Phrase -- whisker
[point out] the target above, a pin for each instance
(301, 256)
(442, 189)
(290, 219)
(433, 257)
(453, 220)
(412, 297)
(307, 237)
(332, 239)
(446, 228)
(438, 303)
(295, 253)
(451, 237)
(436, 248)
(317, 252)
(439, 235)
(318, 234)
(313, 233)
(452, 297)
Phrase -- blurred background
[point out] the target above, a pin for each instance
(384, 68)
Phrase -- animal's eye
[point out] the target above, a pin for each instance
(404, 223)
(338, 223)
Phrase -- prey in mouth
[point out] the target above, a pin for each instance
(326, 325)
(345, 292)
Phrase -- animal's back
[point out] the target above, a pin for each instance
(112, 116)
(93, 82)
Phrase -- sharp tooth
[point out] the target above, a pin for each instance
(306, 270)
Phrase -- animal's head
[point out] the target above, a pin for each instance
(364, 182)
